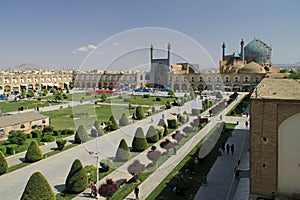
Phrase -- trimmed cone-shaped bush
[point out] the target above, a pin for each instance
(162, 123)
(160, 131)
(124, 120)
(152, 135)
(139, 142)
(81, 135)
(172, 123)
(33, 153)
(38, 188)
(3, 164)
(139, 113)
(123, 152)
(108, 189)
(77, 180)
(113, 126)
(96, 129)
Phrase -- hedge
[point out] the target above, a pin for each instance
(11, 148)
(152, 135)
(172, 123)
(3, 149)
(160, 131)
(3, 164)
(77, 179)
(123, 152)
(36, 133)
(81, 135)
(33, 152)
(139, 142)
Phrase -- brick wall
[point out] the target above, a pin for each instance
(266, 117)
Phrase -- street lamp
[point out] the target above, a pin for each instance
(96, 155)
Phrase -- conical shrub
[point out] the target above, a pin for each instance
(123, 152)
(139, 142)
(77, 180)
(3, 164)
(139, 113)
(38, 188)
(124, 120)
(113, 126)
(152, 135)
(34, 152)
(81, 135)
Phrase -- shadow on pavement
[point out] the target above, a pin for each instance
(60, 187)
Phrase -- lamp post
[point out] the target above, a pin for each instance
(96, 155)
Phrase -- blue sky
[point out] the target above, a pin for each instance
(62, 33)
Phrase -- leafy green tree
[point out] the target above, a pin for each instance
(139, 113)
(168, 105)
(3, 164)
(103, 96)
(23, 93)
(123, 152)
(81, 135)
(171, 93)
(139, 142)
(113, 125)
(30, 93)
(172, 123)
(58, 96)
(16, 137)
(38, 188)
(77, 179)
(34, 152)
(124, 120)
(152, 135)
(61, 143)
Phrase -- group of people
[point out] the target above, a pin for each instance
(229, 148)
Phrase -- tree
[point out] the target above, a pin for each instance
(108, 189)
(164, 125)
(139, 113)
(123, 152)
(77, 180)
(135, 169)
(153, 110)
(38, 187)
(171, 93)
(16, 137)
(81, 135)
(30, 93)
(152, 135)
(58, 96)
(113, 125)
(139, 142)
(3, 164)
(124, 120)
(168, 105)
(103, 96)
(61, 143)
(96, 130)
(34, 152)
(219, 95)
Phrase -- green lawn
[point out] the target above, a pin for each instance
(240, 108)
(190, 172)
(10, 106)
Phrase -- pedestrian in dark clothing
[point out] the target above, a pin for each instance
(232, 149)
(227, 148)
(136, 192)
(223, 147)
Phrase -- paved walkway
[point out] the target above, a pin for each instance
(13, 188)
(222, 183)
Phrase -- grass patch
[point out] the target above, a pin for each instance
(17, 166)
(240, 108)
(10, 106)
(190, 172)
(65, 196)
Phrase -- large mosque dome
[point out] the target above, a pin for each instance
(258, 52)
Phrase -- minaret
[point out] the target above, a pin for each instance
(223, 52)
(151, 53)
(169, 48)
(242, 50)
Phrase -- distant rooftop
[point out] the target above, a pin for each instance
(285, 89)
(20, 118)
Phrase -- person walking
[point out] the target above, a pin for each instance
(232, 149)
(136, 192)
(223, 147)
(227, 148)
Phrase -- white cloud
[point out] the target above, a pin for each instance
(85, 48)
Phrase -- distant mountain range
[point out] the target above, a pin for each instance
(29, 67)
(285, 65)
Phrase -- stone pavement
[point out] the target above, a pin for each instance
(108, 144)
(221, 181)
